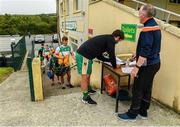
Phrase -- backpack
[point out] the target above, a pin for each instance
(110, 84)
(50, 74)
(56, 67)
(111, 89)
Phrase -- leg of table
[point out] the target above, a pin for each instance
(117, 95)
(102, 78)
(129, 81)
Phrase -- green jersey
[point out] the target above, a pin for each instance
(46, 52)
(64, 50)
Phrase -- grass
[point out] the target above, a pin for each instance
(5, 72)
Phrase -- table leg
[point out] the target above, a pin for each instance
(129, 81)
(117, 95)
(102, 78)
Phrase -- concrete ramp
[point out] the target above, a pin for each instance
(66, 109)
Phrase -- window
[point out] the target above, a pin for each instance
(175, 1)
(77, 5)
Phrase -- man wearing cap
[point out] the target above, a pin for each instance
(94, 48)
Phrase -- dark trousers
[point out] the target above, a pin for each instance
(142, 89)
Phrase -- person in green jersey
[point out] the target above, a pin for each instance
(63, 53)
(46, 53)
(40, 54)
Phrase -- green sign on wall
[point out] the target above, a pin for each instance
(129, 31)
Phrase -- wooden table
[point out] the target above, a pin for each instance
(119, 74)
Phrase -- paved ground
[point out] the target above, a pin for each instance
(64, 107)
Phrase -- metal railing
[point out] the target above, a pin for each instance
(30, 58)
(160, 9)
(169, 13)
(18, 53)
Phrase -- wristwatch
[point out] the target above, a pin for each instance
(137, 66)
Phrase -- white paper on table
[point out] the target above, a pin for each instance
(118, 62)
(132, 63)
(127, 70)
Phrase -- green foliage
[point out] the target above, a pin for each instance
(5, 72)
(22, 24)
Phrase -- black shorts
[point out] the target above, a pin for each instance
(67, 69)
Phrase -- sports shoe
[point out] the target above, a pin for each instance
(143, 115)
(125, 117)
(70, 85)
(91, 91)
(63, 87)
(88, 100)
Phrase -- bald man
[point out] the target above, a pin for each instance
(148, 64)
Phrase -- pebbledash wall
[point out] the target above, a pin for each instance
(104, 16)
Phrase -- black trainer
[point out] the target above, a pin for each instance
(52, 84)
(63, 87)
(70, 85)
(88, 100)
(91, 91)
(143, 114)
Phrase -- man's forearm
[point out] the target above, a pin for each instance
(141, 61)
(113, 62)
